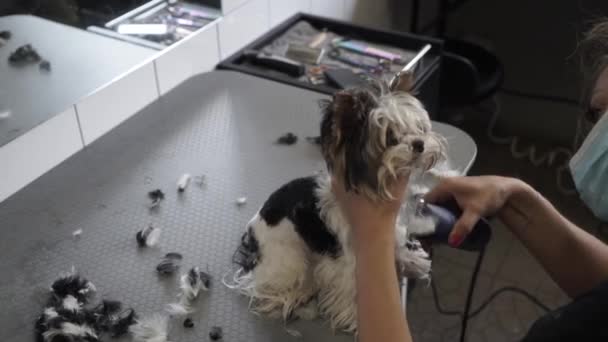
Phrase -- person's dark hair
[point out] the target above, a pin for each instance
(593, 52)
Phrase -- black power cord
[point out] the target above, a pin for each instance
(541, 97)
(467, 314)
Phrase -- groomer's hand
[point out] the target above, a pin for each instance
(476, 196)
(369, 219)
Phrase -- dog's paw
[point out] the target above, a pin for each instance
(413, 261)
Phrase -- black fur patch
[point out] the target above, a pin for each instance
(247, 255)
(297, 201)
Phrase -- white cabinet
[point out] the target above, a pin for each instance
(230, 5)
(283, 9)
(109, 106)
(243, 25)
(38, 151)
(196, 54)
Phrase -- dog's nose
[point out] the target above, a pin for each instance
(418, 146)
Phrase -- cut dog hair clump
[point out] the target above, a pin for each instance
(169, 264)
(69, 314)
(148, 237)
(191, 284)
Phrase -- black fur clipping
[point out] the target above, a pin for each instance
(314, 140)
(157, 194)
(45, 65)
(6, 35)
(287, 139)
(121, 323)
(141, 238)
(169, 264)
(73, 285)
(23, 55)
(188, 323)
(216, 333)
(205, 279)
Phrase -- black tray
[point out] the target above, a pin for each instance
(427, 78)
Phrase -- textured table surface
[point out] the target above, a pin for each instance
(81, 62)
(222, 125)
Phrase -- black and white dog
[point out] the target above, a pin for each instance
(296, 257)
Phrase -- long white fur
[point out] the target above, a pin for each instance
(70, 329)
(153, 328)
(283, 282)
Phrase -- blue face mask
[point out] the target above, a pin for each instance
(589, 168)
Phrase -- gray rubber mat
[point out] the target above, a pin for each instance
(222, 125)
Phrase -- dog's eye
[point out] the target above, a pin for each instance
(391, 140)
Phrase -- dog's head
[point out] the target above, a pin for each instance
(371, 136)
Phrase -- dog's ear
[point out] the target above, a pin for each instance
(334, 111)
(354, 107)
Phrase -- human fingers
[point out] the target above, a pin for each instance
(441, 192)
(463, 227)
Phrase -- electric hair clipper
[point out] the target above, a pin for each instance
(445, 216)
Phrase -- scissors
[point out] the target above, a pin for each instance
(404, 79)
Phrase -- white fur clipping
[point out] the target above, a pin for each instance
(153, 237)
(183, 182)
(50, 313)
(192, 283)
(153, 328)
(179, 309)
(148, 237)
(70, 303)
(72, 329)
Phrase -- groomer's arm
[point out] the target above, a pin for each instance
(576, 260)
(380, 317)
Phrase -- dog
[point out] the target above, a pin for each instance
(296, 256)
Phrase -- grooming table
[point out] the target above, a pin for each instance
(222, 125)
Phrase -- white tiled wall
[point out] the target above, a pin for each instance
(243, 25)
(283, 9)
(47, 145)
(194, 55)
(328, 8)
(38, 151)
(111, 105)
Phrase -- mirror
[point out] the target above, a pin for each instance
(54, 53)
